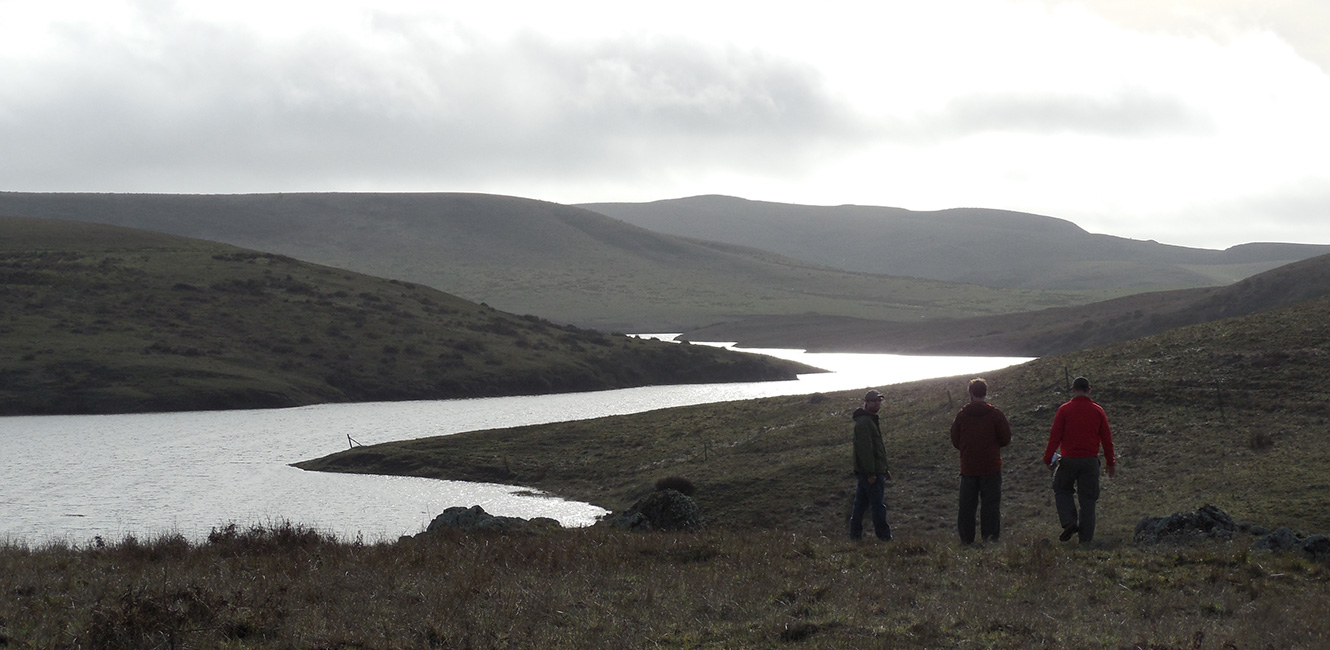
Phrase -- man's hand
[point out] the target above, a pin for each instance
(1112, 470)
(872, 478)
(888, 476)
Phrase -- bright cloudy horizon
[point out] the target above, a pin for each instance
(1191, 122)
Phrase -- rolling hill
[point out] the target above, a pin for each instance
(1038, 333)
(563, 263)
(994, 248)
(103, 319)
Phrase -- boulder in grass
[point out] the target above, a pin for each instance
(1209, 522)
(1281, 539)
(663, 510)
(1317, 547)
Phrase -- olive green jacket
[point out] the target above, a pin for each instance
(870, 454)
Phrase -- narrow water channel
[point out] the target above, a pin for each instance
(73, 478)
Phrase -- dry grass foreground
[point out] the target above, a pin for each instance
(1231, 413)
(602, 588)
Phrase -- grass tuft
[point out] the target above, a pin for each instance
(678, 484)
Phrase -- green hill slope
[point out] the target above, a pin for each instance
(101, 319)
(996, 248)
(562, 263)
(1039, 333)
(1231, 413)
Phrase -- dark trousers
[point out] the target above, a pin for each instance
(975, 490)
(1077, 480)
(870, 496)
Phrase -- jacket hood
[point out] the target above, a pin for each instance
(860, 412)
(977, 409)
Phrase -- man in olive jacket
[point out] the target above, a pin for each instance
(980, 431)
(870, 468)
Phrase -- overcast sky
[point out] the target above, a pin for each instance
(1195, 122)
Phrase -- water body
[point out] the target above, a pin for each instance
(73, 478)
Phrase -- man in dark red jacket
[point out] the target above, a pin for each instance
(1080, 428)
(980, 431)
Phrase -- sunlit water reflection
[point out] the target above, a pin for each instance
(76, 477)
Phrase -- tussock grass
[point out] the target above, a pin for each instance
(603, 588)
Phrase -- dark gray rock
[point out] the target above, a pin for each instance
(662, 510)
(1317, 546)
(1209, 522)
(1253, 529)
(475, 518)
(1281, 539)
(1212, 523)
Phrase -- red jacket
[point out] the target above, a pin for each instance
(980, 430)
(1080, 428)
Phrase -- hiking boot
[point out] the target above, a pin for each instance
(1068, 531)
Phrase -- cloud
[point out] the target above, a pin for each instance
(1128, 113)
(1300, 23)
(1094, 110)
(405, 100)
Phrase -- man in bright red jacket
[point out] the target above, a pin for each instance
(1080, 428)
(980, 431)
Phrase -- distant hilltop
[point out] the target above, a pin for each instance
(993, 248)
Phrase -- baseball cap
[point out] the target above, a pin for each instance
(874, 396)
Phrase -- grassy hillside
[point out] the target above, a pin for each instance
(559, 262)
(995, 248)
(1231, 413)
(99, 319)
(1039, 333)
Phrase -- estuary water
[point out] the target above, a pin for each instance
(73, 478)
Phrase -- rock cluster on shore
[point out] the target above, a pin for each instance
(475, 518)
(1209, 523)
(663, 509)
